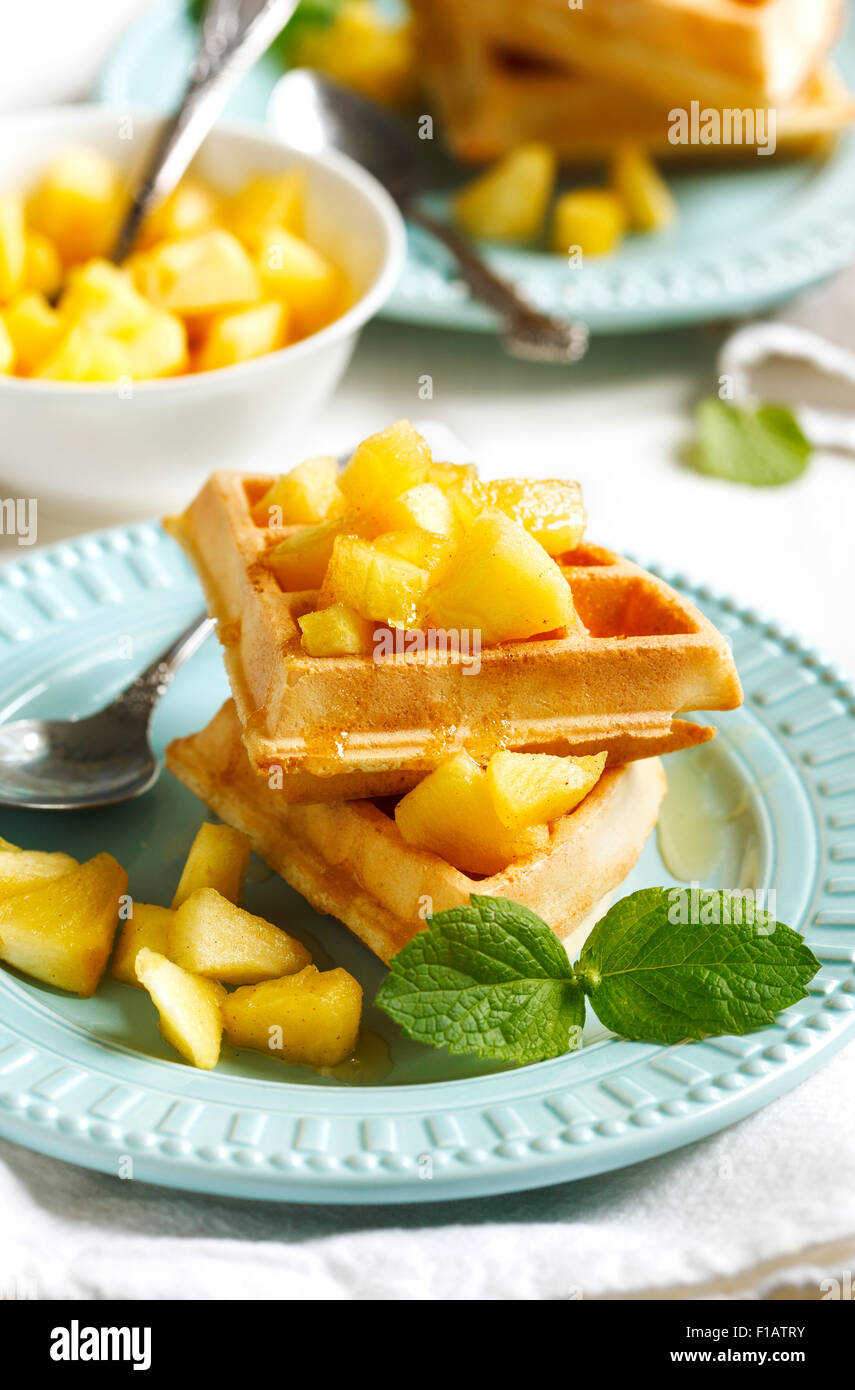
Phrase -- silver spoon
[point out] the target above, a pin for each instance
(234, 34)
(313, 113)
(68, 764)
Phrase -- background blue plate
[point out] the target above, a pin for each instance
(91, 1081)
(747, 238)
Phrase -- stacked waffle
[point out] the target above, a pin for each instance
(339, 715)
(585, 78)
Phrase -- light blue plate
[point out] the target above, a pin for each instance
(92, 1082)
(747, 238)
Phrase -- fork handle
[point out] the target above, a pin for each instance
(234, 34)
(143, 694)
(527, 331)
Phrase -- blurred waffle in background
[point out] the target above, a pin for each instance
(585, 80)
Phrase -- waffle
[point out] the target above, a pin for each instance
(646, 655)
(349, 860)
(718, 52)
(585, 121)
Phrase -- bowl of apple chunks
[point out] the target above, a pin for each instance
(214, 279)
(59, 921)
(397, 540)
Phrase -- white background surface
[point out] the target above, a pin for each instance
(617, 423)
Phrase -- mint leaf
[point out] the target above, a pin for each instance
(651, 979)
(491, 980)
(763, 447)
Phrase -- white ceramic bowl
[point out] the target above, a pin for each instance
(106, 453)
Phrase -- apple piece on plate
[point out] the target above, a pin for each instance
(536, 788)
(500, 582)
(589, 220)
(381, 587)
(307, 1019)
(336, 631)
(550, 509)
(189, 1008)
(218, 858)
(509, 201)
(210, 936)
(148, 927)
(62, 931)
(451, 813)
(384, 465)
(306, 496)
(300, 561)
(23, 869)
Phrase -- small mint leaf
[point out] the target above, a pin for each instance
(652, 979)
(763, 447)
(490, 979)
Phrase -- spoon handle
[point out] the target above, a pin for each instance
(527, 332)
(234, 34)
(143, 694)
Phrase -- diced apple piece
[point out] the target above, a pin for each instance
(501, 582)
(644, 193)
(191, 1020)
(305, 496)
(34, 328)
(23, 869)
(62, 932)
(336, 631)
(385, 465)
(7, 350)
(147, 928)
(590, 219)
(79, 205)
(308, 1019)
(158, 348)
(202, 274)
(242, 335)
(447, 475)
(83, 354)
(268, 200)
(424, 507)
(210, 936)
(12, 244)
(218, 858)
(103, 297)
(42, 266)
(421, 548)
(451, 813)
(191, 208)
(300, 561)
(362, 47)
(551, 510)
(379, 586)
(536, 788)
(293, 270)
(509, 201)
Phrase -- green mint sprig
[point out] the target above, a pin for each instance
(763, 447)
(492, 980)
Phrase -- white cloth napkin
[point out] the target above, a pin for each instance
(765, 1203)
(804, 356)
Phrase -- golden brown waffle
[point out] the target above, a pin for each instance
(501, 77)
(348, 859)
(647, 654)
(719, 52)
